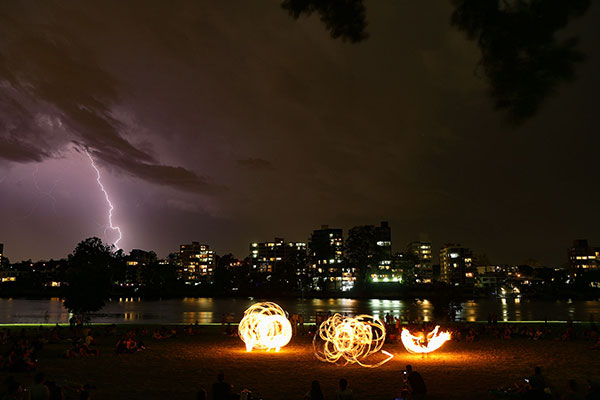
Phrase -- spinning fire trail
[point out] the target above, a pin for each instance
(111, 208)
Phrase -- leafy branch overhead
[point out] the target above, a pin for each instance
(345, 19)
(520, 54)
(521, 57)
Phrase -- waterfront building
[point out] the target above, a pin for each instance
(5, 275)
(582, 257)
(403, 267)
(8, 276)
(383, 240)
(385, 269)
(489, 281)
(421, 250)
(267, 257)
(137, 261)
(491, 277)
(456, 264)
(196, 263)
(326, 260)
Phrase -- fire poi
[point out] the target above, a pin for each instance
(421, 343)
(265, 326)
(350, 340)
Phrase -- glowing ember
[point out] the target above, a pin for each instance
(350, 340)
(265, 326)
(424, 343)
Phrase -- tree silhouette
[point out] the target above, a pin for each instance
(160, 280)
(88, 276)
(361, 248)
(345, 19)
(223, 276)
(521, 57)
(520, 54)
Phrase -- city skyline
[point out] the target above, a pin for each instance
(434, 257)
(242, 124)
(327, 263)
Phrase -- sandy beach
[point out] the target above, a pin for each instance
(176, 368)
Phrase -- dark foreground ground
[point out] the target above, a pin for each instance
(176, 368)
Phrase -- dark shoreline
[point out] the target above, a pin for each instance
(413, 295)
(420, 296)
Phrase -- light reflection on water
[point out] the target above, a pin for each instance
(207, 310)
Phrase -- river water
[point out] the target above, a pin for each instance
(211, 310)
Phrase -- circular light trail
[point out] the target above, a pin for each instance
(350, 340)
(265, 327)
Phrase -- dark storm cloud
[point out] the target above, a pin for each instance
(22, 138)
(396, 127)
(176, 177)
(46, 69)
(255, 164)
(13, 150)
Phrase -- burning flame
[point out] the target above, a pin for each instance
(265, 326)
(424, 343)
(350, 340)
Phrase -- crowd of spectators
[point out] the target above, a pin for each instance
(21, 356)
(472, 332)
(221, 390)
(537, 387)
(22, 348)
(42, 389)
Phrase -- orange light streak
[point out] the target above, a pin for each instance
(421, 343)
(350, 340)
(265, 327)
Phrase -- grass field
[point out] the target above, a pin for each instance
(176, 368)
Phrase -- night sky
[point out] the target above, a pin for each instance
(229, 122)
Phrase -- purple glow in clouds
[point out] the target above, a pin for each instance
(111, 207)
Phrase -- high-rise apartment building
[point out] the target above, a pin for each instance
(326, 260)
(421, 250)
(136, 262)
(196, 262)
(383, 240)
(265, 257)
(582, 257)
(384, 269)
(456, 264)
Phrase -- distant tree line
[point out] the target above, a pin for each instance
(95, 272)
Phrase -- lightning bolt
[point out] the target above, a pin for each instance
(111, 207)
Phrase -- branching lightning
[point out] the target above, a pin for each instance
(111, 207)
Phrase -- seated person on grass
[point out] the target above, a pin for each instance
(221, 390)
